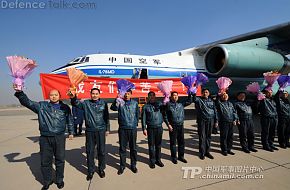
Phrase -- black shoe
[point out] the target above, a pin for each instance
(151, 165)
(224, 153)
(159, 163)
(282, 146)
(90, 176)
(201, 156)
(288, 145)
(182, 160)
(268, 149)
(121, 171)
(173, 160)
(45, 187)
(231, 153)
(101, 173)
(60, 185)
(274, 148)
(253, 149)
(246, 150)
(134, 169)
(209, 156)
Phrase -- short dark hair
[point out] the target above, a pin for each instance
(241, 92)
(151, 92)
(173, 92)
(96, 89)
(204, 89)
(129, 91)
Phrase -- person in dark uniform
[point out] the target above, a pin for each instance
(53, 118)
(174, 119)
(78, 115)
(227, 118)
(283, 109)
(269, 120)
(128, 116)
(206, 119)
(97, 127)
(152, 119)
(245, 123)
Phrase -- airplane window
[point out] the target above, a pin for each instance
(87, 59)
(76, 60)
(82, 60)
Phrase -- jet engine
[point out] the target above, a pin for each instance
(243, 61)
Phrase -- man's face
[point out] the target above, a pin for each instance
(225, 97)
(54, 96)
(241, 97)
(174, 97)
(151, 97)
(127, 96)
(268, 93)
(95, 95)
(205, 93)
(285, 95)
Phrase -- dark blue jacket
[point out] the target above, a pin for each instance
(78, 115)
(51, 121)
(205, 108)
(267, 108)
(96, 114)
(128, 114)
(226, 111)
(244, 110)
(152, 115)
(174, 112)
(283, 106)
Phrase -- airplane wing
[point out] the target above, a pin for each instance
(280, 31)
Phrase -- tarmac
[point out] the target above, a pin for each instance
(20, 161)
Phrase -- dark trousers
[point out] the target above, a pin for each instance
(283, 131)
(246, 134)
(78, 126)
(49, 147)
(204, 129)
(268, 125)
(226, 136)
(177, 134)
(125, 136)
(96, 140)
(154, 143)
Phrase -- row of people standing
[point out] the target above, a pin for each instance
(209, 114)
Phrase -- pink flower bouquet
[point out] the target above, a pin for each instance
(223, 84)
(20, 68)
(255, 89)
(165, 87)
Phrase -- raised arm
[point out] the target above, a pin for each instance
(76, 103)
(25, 101)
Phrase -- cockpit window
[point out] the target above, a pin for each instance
(76, 60)
(87, 59)
(82, 60)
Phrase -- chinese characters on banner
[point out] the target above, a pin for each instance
(107, 86)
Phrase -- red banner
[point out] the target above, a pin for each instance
(107, 86)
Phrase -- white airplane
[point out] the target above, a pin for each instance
(243, 58)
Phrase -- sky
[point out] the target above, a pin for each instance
(53, 34)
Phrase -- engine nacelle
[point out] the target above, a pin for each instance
(242, 61)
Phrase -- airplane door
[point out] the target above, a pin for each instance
(144, 74)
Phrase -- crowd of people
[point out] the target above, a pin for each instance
(55, 117)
